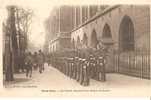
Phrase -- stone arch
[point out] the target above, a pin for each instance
(73, 43)
(126, 34)
(78, 41)
(106, 32)
(85, 39)
(94, 40)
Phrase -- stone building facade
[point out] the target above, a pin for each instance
(114, 23)
(64, 19)
(125, 29)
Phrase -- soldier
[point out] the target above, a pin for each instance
(75, 67)
(68, 67)
(86, 78)
(95, 67)
(92, 65)
(67, 64)
(101, 64)
(78, 69)
(72, 67)
(63, 65)
(81, 71)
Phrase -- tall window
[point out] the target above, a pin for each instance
(106, 32)
(85, 39)
(73, 44)
(78, 42)
(94, 40)
(126, 34)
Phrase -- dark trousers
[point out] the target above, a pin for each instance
(29, 71)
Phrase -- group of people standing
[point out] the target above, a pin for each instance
(34, 61)
(82, 69)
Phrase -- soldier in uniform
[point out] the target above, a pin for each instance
(67, 65)
(92, 65)
(78, 69)
(75, 67)
(86, 78)
(101, 69)
(81, 71)
(70, 67)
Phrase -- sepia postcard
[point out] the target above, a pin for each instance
(75, 48)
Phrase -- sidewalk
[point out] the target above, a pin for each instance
(53, 79)
(51, 76)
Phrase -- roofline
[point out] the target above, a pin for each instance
(95, 17)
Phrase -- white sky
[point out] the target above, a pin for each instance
(41, 12)
(42, 9)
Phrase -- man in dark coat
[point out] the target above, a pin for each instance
(28, 63)
(40, 61)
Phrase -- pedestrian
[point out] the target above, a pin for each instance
(41, 61)
(21, 62)
(35, 60)
(28, 63)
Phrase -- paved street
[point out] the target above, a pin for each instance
(55, 80)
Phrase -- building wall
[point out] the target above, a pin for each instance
(59, 44)
(65, 43)
(66, 18)
(139, 16)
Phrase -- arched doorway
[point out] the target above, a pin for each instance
(106, 32)
(73, 43)
(126, 35)
(107, 36)
(85, 39)
(78, 42)
(94, 40)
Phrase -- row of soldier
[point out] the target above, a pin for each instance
(82, 70)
